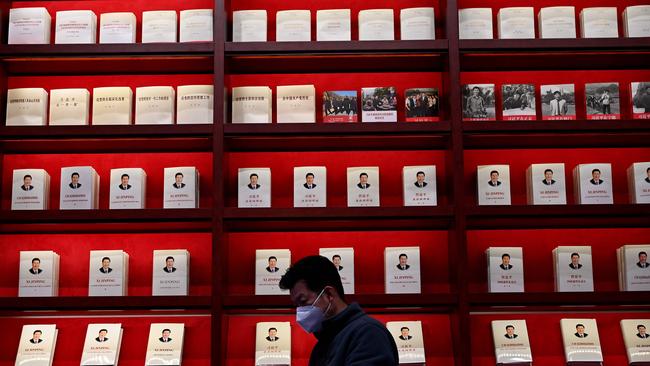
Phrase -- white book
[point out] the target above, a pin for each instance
(26, 107)
(640, 98)
(363, 186)
(475, 23)
(30, 189)
(75, 26)
(69, 107)
(581, 341)
(409, 340)
(249, 26)
(159, 26)
(638, 180)
(599, 22)
(112, 105)
(108, 273)
(181, 187)
(634, 267)
(254, 187)
(270, 265)
(293, 26)
(493, 184)
(296, 104)
(546, 184)
(252, 104)
(419, 185)
(117, 27)
(333, 25)
(558, 102)
(376, 25)
(37, 344)
(39, 274)
(636, 20)
(557, 22)
(273, 344)
(417, 24)
(195, 104)
(593, 184)
(102, 344)
(128, 188)
(511, 343)
(402, 266)
(29, 26)
(165, 344)
(637, 340)
(379, 104)
(79, 188)
(505, 269)
(516, 23)
(573, 269)
(343, 260)
(310, 186)
(154, 105)
(171, 273)
(196, 25)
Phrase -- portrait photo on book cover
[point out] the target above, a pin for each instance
(505, 262)
(580, 331)
(403, 262)
(641, 332)
(102, 335)
(510, 332)
(595, 177)
(404, 334)
(647, 178)
(36, 337)
(272, 267)
(494, 179)
(575, 261)
(643, 260)
(479, 101)
(253, 181)
(363, 181)
(336, 259)
(178, 181)
(36, 267)
(548, 177)
(273, 335)
(309, 181)
(106, 265)
(641, 97)
(27, 183)
(420, 180)
(124, 182)
(166, 336)
(74, 181)
(169, 265)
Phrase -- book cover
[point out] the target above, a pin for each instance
(333, 25)
(593, 184)
(27, 107)
(636, 21)
(270, 265)
(273, 343)
(409, 340)
(340, 106)
(37, 344)
(379, 104)
(573, 269)
(637, 341)
(38, 274)
(363, 186)
(558, 102)
(165, 344)
(171, 272)
(376, 25)
(102, 344)
(195, 104)
(516, 23)
(479, 102)
(159, 26)
(251, 104)
(249, 26)
(154, 105)
(518, 102)
(343, 260)
(511, 343)
(581, 341)
(75, 26)
(108, 273)
(196, 25)
(493, 184)
(79, 188)
(254, 187)
(30, 189)
(640, 92)
(117, 27)
(296, 104)
(293, 26)
(30, 25)
(128, 188)
(402, 266)
(505, 269)
(112, 105)
(638, 179)
(419, 185)
(310, 186)
(546, 184)
(634, 267)
(557, 22)
(422, 105)
(599, 22)
(69, 107)
(603, 101)
(475, 23)
(181, 188)
(417, 23)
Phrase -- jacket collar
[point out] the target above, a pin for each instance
(333, 326)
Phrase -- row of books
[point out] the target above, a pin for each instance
(111, 106)
(553, 22)
(31, 25)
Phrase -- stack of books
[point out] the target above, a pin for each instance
(108, 273)
(79, 188)
(30, 189)
(39, 274)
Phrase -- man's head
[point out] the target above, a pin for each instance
(595, 174)
(476, 91)
(102, 333)
(580, 328)
(647, 172)
(166, 332)
(106, 262)
(253, 178)
(510, 330)
(36, 263)
(516, 96)
(27, 180)
(169, 261)
(403, 259)
(643, 257)
(125, 179)
(606, 91)
(336, 259)
(405, 332)
(641, 329)
(575, 258)
(557, 95)
(494, 176)
(311, 276)
(74, 178)
(309, 178)
(273, 332)
(37, 334)
(420, 177)
(273, 261)
(505, 258)
(178, 178)
(363, 178)
(548, 174)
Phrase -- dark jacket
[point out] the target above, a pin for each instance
(352, 338)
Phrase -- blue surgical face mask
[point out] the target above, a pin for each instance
(310, 317)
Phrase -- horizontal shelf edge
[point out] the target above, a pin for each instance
(333, 47)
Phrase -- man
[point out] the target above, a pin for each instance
(125, 182)
(514, 102)
(580, 331)
(575, 261)
(253, 181)
(420, 183)
(36, 337)
(178, 181)
(165, 336)
(595, 177)
(363, 181)
(642, 334)
(505, 262)
(36, 266)
(169, 265)
(642, 99)
(405, 334)
(273, 261)
(548, 177)
(494, 179)
(510, 332)
(74, 181)
(647, 172)
(475, 106)
(605, 100)
(106, 265)
(643, 260)
(558, 105)
(346, 335)
(309, 181)
(336, 259)
(272, 335)
(102, 335)
(402, 266)
(27, 183)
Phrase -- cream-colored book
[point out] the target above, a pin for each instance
(39, 274)
(296, 104)
(475, 23)
(108, 273)
(171, 273)
(254, 187)
(363, 186)
(29, 26)
(402, 270)
(376, 25)
(181, 187)
(196, 25)
(557, 22)
(165, 345)
(30, 189)
(599, 22)
(409, 340)
(593, 184)
(37, 344)
(581, 342)
(112, 105)
(309, 186)
(79, 188)
(546, 184)
(273, 344)
(511, 343)
(637, 340)
(505, 269)
(159, 26)
(634, 267)
(69, 107)
(343, 260)
(117, 27)
(333, 25)
(195, 104)
(516, 23)
(638, 180)
(75, 26)
(636, 20)
(270, 265)
(417, 24)
(419, 184)
(252, 104)
(154, 105)
(249, 26)
(102, 345)
(27, 107)
(573, 269)
(293, 26)
(128, 188)
(493, 185)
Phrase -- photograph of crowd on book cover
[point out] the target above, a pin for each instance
(379, 99)
(422, 104)
(478, 102)
(518, 102)
(602, 100)
(641, 100)
(340, 106)
(558, 102)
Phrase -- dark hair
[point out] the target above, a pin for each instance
(308, 174)
(572, 254)
(73, 174)
(37, 330)
(648, 170)
(557, 92)
(476, 87)
(177, 174)
(166, 330)
(418, 173)
(36, 259)
(548, 170)
(105, 258)
(103, 330)
(317, 272)
(595, 170)
(494, 171)
(639, 326)
(579, 325)
(644, 253)
(168, 258)
(403, 255)
(125, 175)
(362, 174)
(253, 175)
(336, 256)
(27, 176)
(401, 329)
(505, 255)
(273, 328)
(510, 326)
(273, 257)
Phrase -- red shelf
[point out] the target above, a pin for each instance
(105, 303)
(136, 49)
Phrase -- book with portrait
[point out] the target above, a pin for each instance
(475, 23)
(479, 102)
(293, 26)
(422, 105)
(420, 188)
(196, 25)
(112, 105)
(640, 95)
(557, 22)
(194, 104)
(546, 184)
(417, 24)
(310, 186)
(79, 188)
(296, 104)
(379, 104)
(511, 343)
(154, 105)
(108, 273)
(633, 267)
(602, 101)
(636, 21)
(343, 260)
(599, 22)
(171, 272)
(273, 343)
(252, 104)
(181, 187)
(493, 183)
(581, 342)
(516, 23)
(505, 269)
(572, 270)
(118, 27)
(333, 25)
(128, 188)
(402, 270)
(37, 344)
(29, 25)
(75, 26)
(30, 189)
(165, 344)
(253, 187)
(69, 107)
(363, 186)
(249, 26)
(27, 107)
(592, 184)
(102, 345)
(518, 101)
(376, 25)
(38, 274)
(409, 339)
(636, 335)
(340, 106)
(159, 26)
(558, 102)
(638, 180)
(270, 265)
